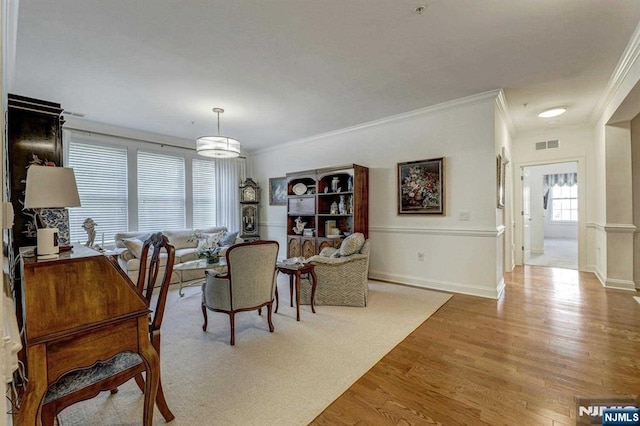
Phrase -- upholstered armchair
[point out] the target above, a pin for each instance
(342, 274)
(249, 283)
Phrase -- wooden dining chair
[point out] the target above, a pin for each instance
(84, 384)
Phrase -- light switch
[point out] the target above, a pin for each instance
(463, 215)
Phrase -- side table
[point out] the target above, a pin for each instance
(196, 265)
(295, 270)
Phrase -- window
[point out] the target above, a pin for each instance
(101, 175)
(161, 192)
(204, 193)
(564, 205)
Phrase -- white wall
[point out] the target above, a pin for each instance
(635, 153)
(576, 144)
(460, 256)
(505, 215)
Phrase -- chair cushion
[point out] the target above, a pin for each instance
(80, 379)
(352, 244)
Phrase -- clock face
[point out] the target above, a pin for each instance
(249, 194)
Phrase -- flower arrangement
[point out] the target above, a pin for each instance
(420, 188)
(207, 246)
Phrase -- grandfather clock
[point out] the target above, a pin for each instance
(249, 201)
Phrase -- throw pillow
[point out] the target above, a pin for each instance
(228, 239)
(134, 246)
(352, 244)
(210, 240)
(328, 252)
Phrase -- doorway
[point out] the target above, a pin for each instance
(550, 215)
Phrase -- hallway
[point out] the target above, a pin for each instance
(558, 252)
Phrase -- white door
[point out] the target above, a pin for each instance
(526, 216)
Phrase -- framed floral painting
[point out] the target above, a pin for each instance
(421, 187)
(278, 191)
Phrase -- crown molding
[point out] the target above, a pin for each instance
(430, 110)
(503, 109)
(620, 73)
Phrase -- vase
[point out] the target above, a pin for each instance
(341, 207)
(334, 208)
(334, 184)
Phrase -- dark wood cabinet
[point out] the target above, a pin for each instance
(34, 130)
(331, 203)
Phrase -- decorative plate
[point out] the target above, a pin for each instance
(299, 188)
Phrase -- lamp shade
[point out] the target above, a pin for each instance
(218, 146)
(51, 187)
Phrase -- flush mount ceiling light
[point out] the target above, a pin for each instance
(552, 112)
(218, 146)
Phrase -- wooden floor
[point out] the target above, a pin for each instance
(521, 360)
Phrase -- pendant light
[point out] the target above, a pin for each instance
(218, 146)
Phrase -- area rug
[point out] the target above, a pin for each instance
(286, 377)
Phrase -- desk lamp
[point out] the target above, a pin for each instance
(49, 187)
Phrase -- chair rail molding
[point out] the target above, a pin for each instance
(622, 228)
(487, 232)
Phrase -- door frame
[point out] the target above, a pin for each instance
(582, 206)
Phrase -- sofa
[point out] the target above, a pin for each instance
(342, 274)
(127, 244)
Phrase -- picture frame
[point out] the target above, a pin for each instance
(500, 174)
(421, 187)
(278, 191)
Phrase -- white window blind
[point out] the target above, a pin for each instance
(161, 192)
(101, 175)
(204, 193)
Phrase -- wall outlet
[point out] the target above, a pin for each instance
(463, 215)
(421, 257)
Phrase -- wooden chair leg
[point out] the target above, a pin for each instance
(291, 289)
(140, 381)
(233, 328)
(204, 314)
(48, 414)
(161, 403)
(269, 306)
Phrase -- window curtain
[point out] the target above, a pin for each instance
(229, 174)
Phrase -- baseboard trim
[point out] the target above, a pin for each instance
(447, 286)
(620, 284)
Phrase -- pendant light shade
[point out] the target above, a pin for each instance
(218, 146)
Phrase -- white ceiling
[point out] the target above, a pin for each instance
(288, 69)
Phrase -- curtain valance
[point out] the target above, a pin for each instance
(561, 179)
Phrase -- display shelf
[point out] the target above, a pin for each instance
(330, 200)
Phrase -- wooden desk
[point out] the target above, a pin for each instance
(294, 271)
(78, 310)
